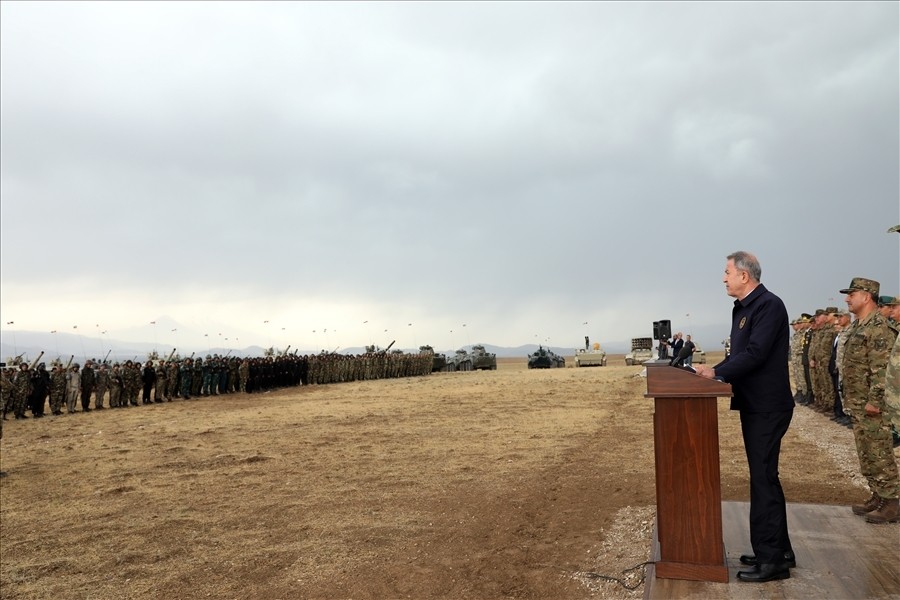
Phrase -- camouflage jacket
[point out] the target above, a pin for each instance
(869, 343)
(892, 385)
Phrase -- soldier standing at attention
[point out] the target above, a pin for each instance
(87, 386)
(102, 383)
(892, 375)
(162, 375)
(73, 388)
(796, 360)
(187, 369)
(57, 389)
(865, 358)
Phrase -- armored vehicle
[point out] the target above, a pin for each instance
(438, 361)
(461, 361)
(699, 356)
(482, 359)
(544, 358)
(590, 356)
(641, 351)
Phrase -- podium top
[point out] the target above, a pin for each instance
(664, 381)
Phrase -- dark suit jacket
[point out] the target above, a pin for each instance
(757, 367)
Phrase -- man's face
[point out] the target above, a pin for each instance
(895, 312)
(856, 300)
(735, 280)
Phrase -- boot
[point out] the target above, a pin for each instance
(867, 506)
(888, 511)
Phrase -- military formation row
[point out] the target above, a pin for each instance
(26, 389)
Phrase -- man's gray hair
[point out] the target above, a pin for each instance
(744, 261)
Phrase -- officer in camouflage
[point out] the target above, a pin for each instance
(865, 358)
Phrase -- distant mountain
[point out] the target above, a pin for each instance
(31, 343)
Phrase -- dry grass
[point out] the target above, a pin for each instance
(503, 484)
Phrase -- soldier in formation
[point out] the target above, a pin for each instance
(865, 360)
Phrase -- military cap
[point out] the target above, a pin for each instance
(894, 228)
(806, 316)
(861, 284)
(832, 310)
(820, 311)
(892, 301)
(883, 300)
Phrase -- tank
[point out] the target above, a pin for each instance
(544, 358)
(438, 361)
(641, 351)
(590, 356)
(482, 359)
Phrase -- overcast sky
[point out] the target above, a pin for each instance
(517, 168)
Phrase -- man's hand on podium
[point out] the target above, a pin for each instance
(704, 371)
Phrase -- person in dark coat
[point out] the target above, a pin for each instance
(757, 369)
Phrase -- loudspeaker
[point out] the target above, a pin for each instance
(655, 330)
(665, 330)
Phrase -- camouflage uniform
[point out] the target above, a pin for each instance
(865, 359)
(101, 385)
(162, 376)
(186, 373)
(797, 343)
(57, 389)
(116, 385)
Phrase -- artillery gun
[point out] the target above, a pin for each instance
(590, 356)
(544, 358)
(641, 351)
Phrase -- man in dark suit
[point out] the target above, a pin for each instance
(677, 344)
(757, 369)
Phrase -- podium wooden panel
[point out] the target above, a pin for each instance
(688, 486)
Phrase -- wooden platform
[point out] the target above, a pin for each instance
(839, 556)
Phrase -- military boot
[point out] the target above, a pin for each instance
(888, 511)
(867, 506)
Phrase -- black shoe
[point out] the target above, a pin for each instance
(789, 559)
(765, 572)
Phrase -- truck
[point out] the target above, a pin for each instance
(641, 351)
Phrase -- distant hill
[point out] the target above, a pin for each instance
(31, 343)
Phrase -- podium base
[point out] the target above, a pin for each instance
(667, 569)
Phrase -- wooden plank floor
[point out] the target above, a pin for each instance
(839, 556)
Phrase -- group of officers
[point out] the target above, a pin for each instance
(817, 348)
(28, 388)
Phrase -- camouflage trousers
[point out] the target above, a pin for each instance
(797, 377)
(160, 390)
(115, 396)
(823, 389)
(99, 393)
(57, 397)
(875, 449)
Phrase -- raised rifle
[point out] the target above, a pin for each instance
(34, 364)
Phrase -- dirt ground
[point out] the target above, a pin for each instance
(494, 484)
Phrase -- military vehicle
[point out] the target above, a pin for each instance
(699, 356)
(544, 358)
(461, 361)
(590, 356)
(641, 351)
(482, 359)
(438, 361)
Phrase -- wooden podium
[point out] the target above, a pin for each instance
(688, 541)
